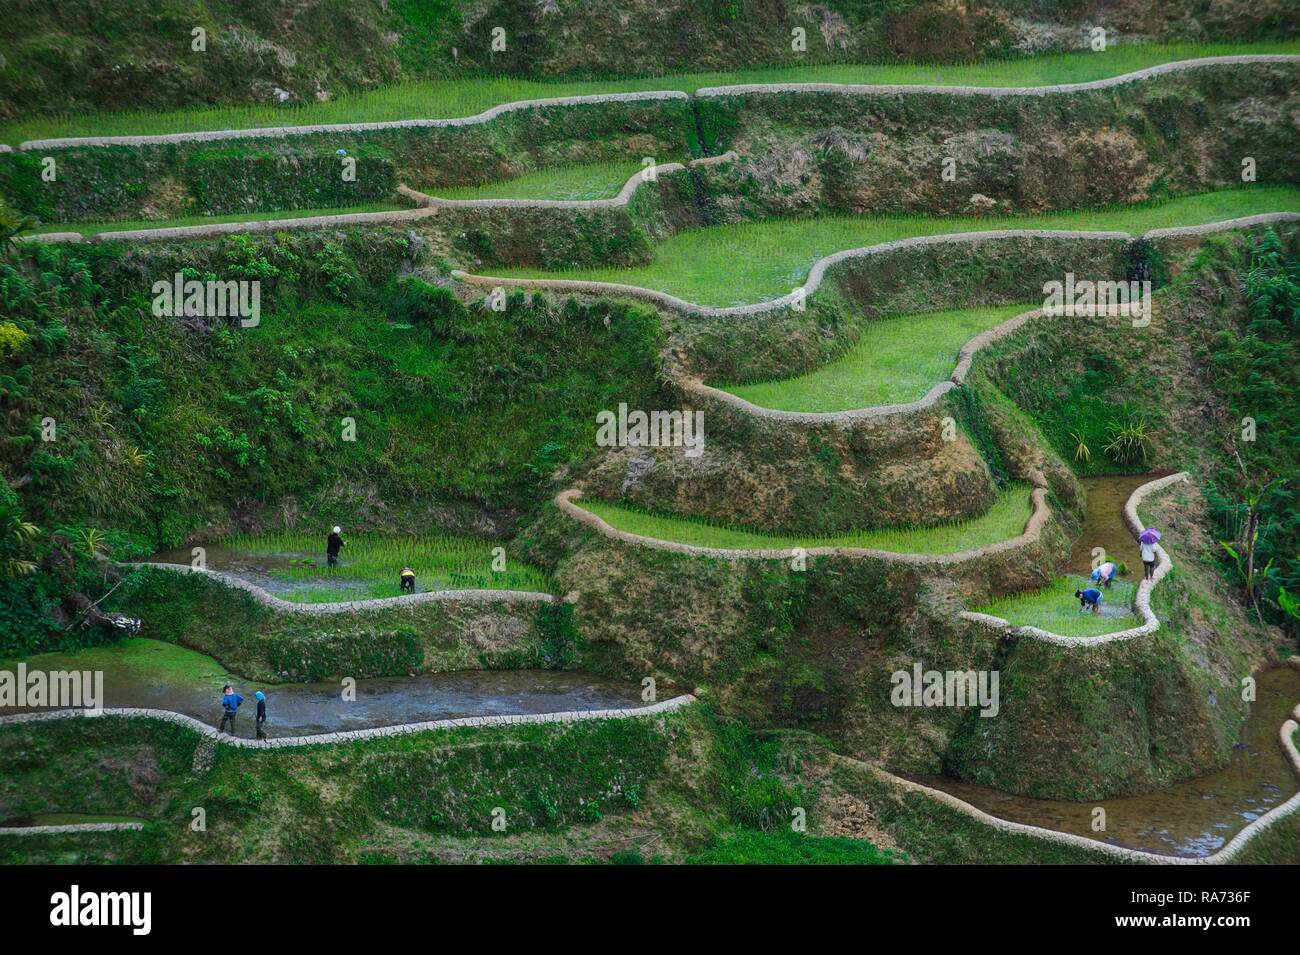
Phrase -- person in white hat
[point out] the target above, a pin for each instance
(333, 545)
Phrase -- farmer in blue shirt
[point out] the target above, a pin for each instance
(1089, 599)
(230, 701)
(1104, 574)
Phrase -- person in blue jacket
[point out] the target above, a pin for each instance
(230, 701)
(1089, 599)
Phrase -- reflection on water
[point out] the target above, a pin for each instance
(256, 569)
(136, 674)
(1103, 523)
(1192, 818)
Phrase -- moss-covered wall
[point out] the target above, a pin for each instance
(339, 802)
(259, 643)
(874, 153)
(249, 174)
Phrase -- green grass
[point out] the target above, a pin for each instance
(1004, 520)
(369, 566)
(757, 261)
(94, 228)
(896, 360)
(1056, 609)
(164, 663)
(454, 98)
(784, 847)
(571, 183)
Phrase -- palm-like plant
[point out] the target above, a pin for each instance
(89, 539)
(16, 535)
(1082, 452)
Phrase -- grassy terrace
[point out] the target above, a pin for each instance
(446, 99)
(369, 566)
(154, 660)
(94, 228)
(571, 183)
(896, 360)
(758, 261)
(1055, 609)
(1004, 520)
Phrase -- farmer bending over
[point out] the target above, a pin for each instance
(408, 580)
(1089, 599)
(1104, 574)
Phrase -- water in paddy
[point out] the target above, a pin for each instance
(256, 569)
(1103, 523)
(1193, 818)
(148, 673)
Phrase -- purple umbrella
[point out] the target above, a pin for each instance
(1149, 536)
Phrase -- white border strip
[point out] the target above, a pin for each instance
(426, 206)
(283, 132)
(280, 132)
(649, 175)
(1141, 600)
(1033, 529)
(965, 358)
(819, 268)
(853, 89)
(320, 739)
(1120, 853)
(269, 599)
(70, 827)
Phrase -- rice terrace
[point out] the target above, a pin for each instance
(498, 431)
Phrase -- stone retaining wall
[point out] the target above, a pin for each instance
(352, 606)
(322, 739)
(697, 388)
(996, 92)
(713, 92)
(513, 137)
(284, 132)
(820, 267)
(1118, 853)
(453, 218)
(634, 182)
(1141, 601)
(1033, 530)
(72, 827)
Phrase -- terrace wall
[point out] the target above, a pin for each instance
(804, 150)
(263, 638)
(231, 171)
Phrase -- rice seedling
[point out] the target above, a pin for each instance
(895, 360)
(737, 264)
(369, 565)
(1056, 609)
(570, 183)
(1005, 519)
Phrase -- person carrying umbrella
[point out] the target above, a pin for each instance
(1147, 539)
